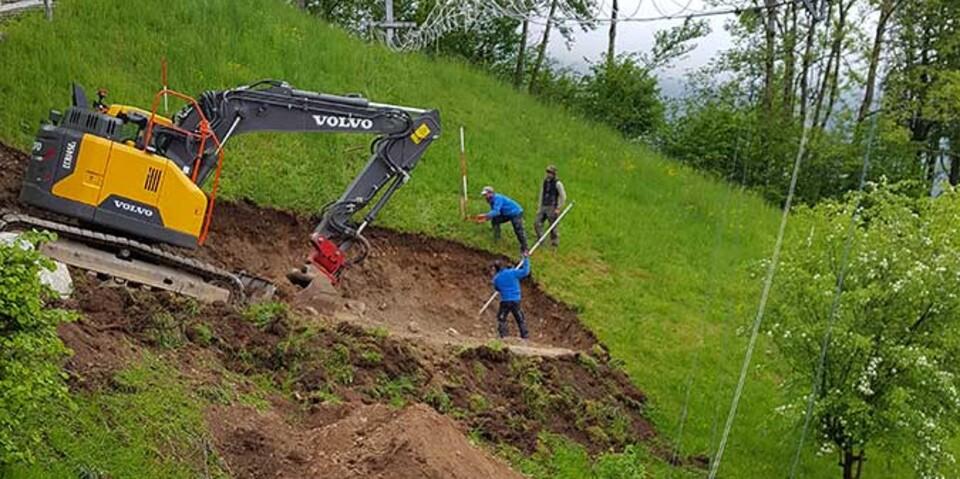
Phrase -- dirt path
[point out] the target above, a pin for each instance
(453, 338)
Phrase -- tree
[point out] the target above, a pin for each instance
(623, 95)
(521, 54)
(889, 379)
(580, 11)
(770, 35)
(887, 9)
(612, 33)
(674, 43)
(542, 49)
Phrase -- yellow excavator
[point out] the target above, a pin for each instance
(127, 179)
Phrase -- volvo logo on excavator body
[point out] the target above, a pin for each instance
(343, 122)
(68, 155)
(123, 205)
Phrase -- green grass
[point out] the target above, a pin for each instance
(654, 254)
(149, 426)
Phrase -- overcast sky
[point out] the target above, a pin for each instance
(638, 37)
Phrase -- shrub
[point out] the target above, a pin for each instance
(31, 379)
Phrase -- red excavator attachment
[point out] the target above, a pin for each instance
(327, 257)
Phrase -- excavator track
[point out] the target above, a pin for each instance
(237, 284)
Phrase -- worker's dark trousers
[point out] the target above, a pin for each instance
(547, 213)
(517, 222)
(507, 307)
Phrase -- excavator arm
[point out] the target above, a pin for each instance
(404, 134)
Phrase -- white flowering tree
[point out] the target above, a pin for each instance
(890, 373)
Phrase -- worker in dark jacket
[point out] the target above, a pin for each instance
(503, 209)
(552, 198)
(506, 281)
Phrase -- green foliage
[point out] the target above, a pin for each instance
(623, 95)
(324, 396)
(151, 425)
(266, 312)
(201, 334)
(379, 332)
(164, 330)
(496, 345)
(534, 394)
(559, 457)
(437, 398)
(371, 357)
(337, 365)
(395, 391)
(588, 362)
(31, 382)
(477, 403)
(890, 379)
(716, 132)
(625, 465)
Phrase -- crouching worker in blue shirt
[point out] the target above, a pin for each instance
(502, 210)
(506, 281)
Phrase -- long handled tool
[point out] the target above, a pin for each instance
(463, 176)
(535, 245)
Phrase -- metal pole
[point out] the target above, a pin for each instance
(48, 8)
(388, 7)
(535, 246)
(463, 176)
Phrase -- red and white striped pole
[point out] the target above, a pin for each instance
(163, 79)
(463, 176)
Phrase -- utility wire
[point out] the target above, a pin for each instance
(464, 14)
(765, 295)
(838, 291)
(722, 221)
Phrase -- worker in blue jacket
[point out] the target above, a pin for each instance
(503, 209)
(506, 280)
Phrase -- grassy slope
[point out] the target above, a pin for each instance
(654, 254)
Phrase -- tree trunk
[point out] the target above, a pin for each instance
(542, 49)
(837, 52)
(611, 44)
(789, 60)
(824, 80)
(521, 54)
(860, 460)
(770, 37)
(804, 74)
(302, 4)
(886, 11)
(852, 464)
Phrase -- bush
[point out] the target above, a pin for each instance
(31, 379)
(624, 95)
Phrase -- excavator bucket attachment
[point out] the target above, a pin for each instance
(318, 291)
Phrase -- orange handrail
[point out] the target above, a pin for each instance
(203, 133)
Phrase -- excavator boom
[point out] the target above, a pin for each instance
(132, 172)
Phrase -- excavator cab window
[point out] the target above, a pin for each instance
(133, 126)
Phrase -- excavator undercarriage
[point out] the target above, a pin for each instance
(123, 181)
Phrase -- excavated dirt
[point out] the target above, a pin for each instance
(373, 441)
(410, 282)
(338, 376)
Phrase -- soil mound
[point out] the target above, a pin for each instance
(374, 441)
